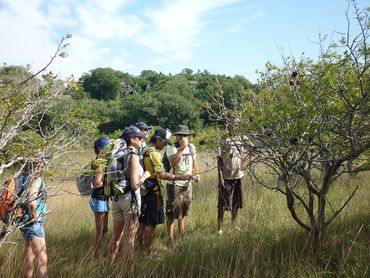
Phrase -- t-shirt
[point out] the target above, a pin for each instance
(231, 150)
(185, 165)
(152, 161)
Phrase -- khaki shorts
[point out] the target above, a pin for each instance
(124, 206)
(178, 202)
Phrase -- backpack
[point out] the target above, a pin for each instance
(117, 181)
(166, 162)
(10, 198)
(85, 181)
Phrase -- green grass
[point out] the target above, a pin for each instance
(268, 244)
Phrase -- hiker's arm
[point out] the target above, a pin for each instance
(98, 180)
(156, 161)
(172, 177)
(175, 158)
(33, 188)
(219, 171)
(135, 180)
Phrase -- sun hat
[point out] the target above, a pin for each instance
(183, 130)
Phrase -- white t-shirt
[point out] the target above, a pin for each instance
(185, 165)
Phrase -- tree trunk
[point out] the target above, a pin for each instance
(317, 232)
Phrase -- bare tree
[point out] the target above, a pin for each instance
(33, 118)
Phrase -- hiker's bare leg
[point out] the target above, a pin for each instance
(149, 236)
(27, 270)
(100, 230)
(220, 218)
(234, 213)
(170, 226)
(140, 235)
(105, 227)
(129, 241)
(38, 245)
(181, 224)
(116, 238)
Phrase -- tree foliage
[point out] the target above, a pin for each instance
(35, 118)
(307, 125)
(102, 83)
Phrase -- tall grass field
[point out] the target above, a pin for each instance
(267, 243)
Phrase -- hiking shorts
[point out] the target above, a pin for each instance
(99, 205)
(231, 195)
(152, 212)
(32, 230)
(178, 202)
(124, 206)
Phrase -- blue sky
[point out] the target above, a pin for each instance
(222, 36)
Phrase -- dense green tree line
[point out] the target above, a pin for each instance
(118, 99)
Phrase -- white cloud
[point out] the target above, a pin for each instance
(25, 34)
(177, 25)
(102, 31)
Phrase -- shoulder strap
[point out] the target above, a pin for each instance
(191, 148)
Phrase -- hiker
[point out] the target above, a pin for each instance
(152, 212)
(130, 176)
(34, 217)
(98, 201)
(231, 179)
(182, 158)
(145, 129)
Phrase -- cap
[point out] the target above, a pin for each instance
(164, 134)
(142, 125)
(183, 130)
(101, 142)
(132, 131)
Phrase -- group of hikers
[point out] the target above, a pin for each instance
(127, 179)
(134, 179)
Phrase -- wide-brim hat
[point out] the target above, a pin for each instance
(183, 130)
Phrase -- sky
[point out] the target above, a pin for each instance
(231, 37)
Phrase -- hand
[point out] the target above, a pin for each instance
(188, 177)
(184, 142)
(196, 178)
(146, 175)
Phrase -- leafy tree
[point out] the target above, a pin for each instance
(307, 126)
(167, 107)
(102, 83)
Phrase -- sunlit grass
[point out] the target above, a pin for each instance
(268, 242)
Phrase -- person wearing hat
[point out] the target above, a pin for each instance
(152, 212)
(34, 216)
(98, 201)
(145, 129)
(182, 158)
(130, 177)
(231, 178)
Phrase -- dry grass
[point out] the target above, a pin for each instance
(268, 244)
